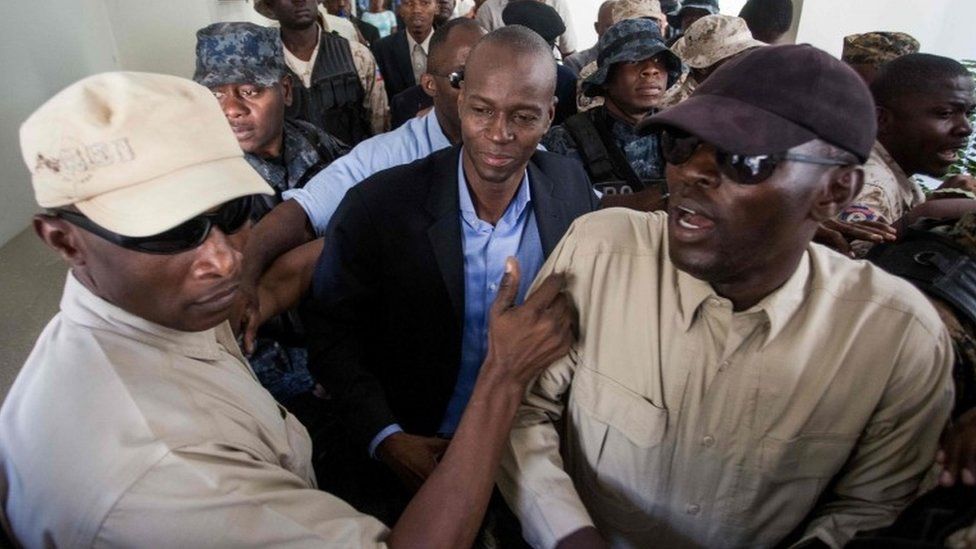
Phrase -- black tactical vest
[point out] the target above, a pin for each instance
(335, 100)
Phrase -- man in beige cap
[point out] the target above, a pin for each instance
(136, 421)
(705, 46)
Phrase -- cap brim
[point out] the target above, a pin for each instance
(157, 205)
(731, 125)
(592, 85)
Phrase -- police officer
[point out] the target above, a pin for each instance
(634, 70)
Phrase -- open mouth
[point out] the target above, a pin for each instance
(690, 220)
(950, 155)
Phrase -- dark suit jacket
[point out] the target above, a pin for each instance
(393, 58)
(407, 104)
(384, 327)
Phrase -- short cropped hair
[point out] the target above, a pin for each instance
(768, 19)
(913, 73)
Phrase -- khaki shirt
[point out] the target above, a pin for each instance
(120, 432)
(888, 193)
(688, 424)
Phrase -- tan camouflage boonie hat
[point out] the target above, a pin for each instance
(636, 9)
(712, 39)
(876, 48)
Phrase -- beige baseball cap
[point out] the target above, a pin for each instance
(137, 153)
(712, 39)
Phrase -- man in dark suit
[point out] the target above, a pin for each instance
(401, 292)
(402, 57)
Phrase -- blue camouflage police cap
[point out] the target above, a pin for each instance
(628, 41)
(711, 6)
(238, 53)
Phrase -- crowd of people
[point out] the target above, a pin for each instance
(446, 280)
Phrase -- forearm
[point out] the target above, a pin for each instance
(448, 509)
(284, 228)
(287, 280)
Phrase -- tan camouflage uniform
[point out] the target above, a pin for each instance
(710, 40)
(888, 192)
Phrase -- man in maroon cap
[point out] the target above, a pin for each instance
(732, 379)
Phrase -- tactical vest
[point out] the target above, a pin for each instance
(608, 168)
(334, 102)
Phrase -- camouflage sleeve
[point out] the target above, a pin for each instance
(558, 140)
(375, 101)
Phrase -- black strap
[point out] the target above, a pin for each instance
(326, 156)
(604, 161)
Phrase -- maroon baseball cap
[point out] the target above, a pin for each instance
(774, 98)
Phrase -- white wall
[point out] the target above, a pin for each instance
(943, 27)
(43, 48)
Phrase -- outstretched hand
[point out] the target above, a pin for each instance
(525, 339)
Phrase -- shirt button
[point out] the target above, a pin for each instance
(493, 286)
(693, 509)
(708, 441)
(725, 364)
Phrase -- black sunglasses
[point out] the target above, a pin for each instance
(677, 147)
(230, 217)
(453, 78)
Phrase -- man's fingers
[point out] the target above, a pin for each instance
(835, 240)
(543, 295)
(508, 288)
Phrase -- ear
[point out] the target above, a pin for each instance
(427, 84)
(843, 186)
(62, 237)
(286, 89)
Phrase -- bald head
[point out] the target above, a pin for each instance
(516, 50)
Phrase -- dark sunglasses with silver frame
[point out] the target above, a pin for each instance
(454, 78)
(677, 147)
(230, 217)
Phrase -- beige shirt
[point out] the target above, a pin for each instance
(888, 193)
(122, 433)
(418, 54)
(374, 100)
(689, 425)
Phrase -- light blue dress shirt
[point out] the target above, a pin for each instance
(412, 141)
(485, 248)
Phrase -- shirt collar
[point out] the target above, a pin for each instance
(516, 207)
(778, 306)
(83, 307)
(423, 45)
(438, 140)
(903, 180)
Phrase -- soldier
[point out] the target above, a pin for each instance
(243, 66)
(635, 68)
(621, 10)
(704, 47)
(924, 104)
(334, 80)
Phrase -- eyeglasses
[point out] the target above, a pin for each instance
(230, 217)
(455, 78)
(677, 147)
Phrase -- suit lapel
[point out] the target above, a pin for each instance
(551, 215)
(405, 62)
(443, 204)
